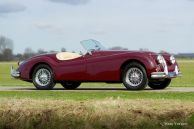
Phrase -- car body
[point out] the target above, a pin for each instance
(98, 65)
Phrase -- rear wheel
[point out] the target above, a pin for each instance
(157, 84)
(70, 85)
(134, 76)
(43, 78)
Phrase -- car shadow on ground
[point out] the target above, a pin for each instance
(78, 89)
(103, 89)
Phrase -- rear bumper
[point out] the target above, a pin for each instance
(14, 73)
(166, 74)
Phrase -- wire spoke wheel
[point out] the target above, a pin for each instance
(134, 77)
(43, 77)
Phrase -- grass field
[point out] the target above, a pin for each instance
(186, 66)
(96, 95)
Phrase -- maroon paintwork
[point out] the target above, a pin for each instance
(104, 66)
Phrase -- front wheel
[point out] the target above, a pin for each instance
(70, 85)
(159, 84)
(43, 78)
(134, 76)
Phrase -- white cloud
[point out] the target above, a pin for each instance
(11, 8)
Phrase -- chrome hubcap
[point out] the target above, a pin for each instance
(43, 77)
(134, 77)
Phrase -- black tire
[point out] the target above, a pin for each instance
(159, 84)
(129, 81)
(48, 81)
(70, 85)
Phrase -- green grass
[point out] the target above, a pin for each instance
(6, 79)
(186, 66)
(187, 69)
(95, 95)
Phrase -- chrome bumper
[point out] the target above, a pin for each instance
(166, 74)
(15, 73)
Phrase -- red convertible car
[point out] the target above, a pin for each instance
(135, 69)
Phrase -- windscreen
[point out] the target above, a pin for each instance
(92, 45)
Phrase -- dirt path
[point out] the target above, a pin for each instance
(108, 89)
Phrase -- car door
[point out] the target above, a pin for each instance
(101, 67)
(72, 70)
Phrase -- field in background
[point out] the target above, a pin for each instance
(186, 66)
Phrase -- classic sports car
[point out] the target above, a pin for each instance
(135, 69)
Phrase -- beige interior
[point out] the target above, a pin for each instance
(67, 56)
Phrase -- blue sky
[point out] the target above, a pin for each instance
(52, 24)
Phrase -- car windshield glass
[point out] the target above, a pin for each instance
(92, 45)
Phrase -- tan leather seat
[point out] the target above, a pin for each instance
(67, 56)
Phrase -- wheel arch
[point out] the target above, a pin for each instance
(35, 65)
(128, 62)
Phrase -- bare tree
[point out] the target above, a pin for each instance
(63, 49)
(5, 43)
(28, 52)
(144, 49)
(118, 48)
(6, 49)
(18, 56)
(7, 54)
(41, 51)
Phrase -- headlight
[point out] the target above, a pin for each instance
(160, 59)
(20, 62)
(172, 59)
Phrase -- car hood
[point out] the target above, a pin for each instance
(52, 55)
(140, 53)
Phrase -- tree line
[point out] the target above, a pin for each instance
(7, 46)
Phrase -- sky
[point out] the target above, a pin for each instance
(52, 24)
